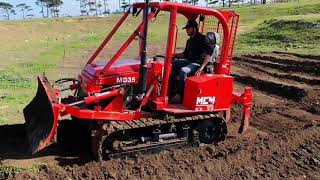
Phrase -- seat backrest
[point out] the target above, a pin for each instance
(214, 38)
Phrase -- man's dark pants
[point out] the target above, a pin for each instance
(183, 68)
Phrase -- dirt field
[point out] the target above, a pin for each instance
(283, 141)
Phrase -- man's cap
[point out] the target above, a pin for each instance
(191, 23)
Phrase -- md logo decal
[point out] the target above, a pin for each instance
(126, 79)
(206, 100)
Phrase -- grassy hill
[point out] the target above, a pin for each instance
(293, 34)
(292, 27)
(29, 48)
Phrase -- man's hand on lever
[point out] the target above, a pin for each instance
(205, 62)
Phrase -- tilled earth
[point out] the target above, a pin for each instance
(283, 141)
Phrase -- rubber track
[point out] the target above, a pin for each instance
(114, 126)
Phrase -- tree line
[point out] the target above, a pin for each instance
(124, 4)
(230, 3)
(51, 8)
(93, 7)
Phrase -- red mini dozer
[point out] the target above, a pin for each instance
(125, 104)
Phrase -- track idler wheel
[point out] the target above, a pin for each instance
(212, 131)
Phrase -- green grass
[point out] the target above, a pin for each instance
(296, 35)
(12, 80)
(21, 66)
(3, 120)
(18, 81)
(252, 16)
(291, 27)
(12, 102)
(10, 171)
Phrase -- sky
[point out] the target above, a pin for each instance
(69, 7)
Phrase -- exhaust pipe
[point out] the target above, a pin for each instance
(143, 65)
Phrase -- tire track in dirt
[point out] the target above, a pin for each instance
(259, 155)
(301, 78)
(287, 91)
(288, 65)
(286, 76)
(295, 55)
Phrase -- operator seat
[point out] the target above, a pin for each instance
(213, 39)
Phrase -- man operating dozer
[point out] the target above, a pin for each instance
(192, 60)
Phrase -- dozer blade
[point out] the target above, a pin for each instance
(41, 116)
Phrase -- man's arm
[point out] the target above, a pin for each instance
(207, 51)
(206, 59)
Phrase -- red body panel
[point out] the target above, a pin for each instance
(208, 92)
(119, 67)
(122, 72)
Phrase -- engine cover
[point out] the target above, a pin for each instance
(208, 92)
